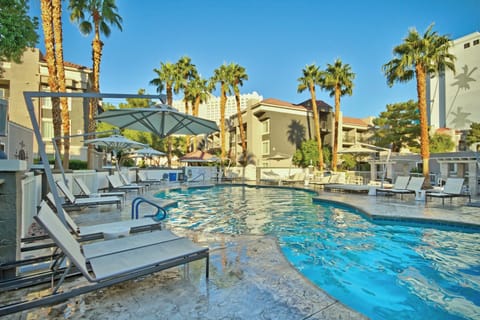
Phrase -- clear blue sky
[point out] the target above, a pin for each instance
(273, 39)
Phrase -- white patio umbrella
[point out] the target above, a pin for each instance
(160, 119)
(115, 143)
(148, 152)
(199, 156)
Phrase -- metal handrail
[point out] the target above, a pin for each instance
(159, 215)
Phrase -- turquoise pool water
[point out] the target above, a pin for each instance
(385, 271)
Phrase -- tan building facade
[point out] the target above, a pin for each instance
(32, 75)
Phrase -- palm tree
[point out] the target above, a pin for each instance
(338, 79)
(198, 92)
(223, 76)
(186, 72)
(65, 115)
(96, 16)
(419, 57)
(239, 75)
(167, 79)
(49, 39)
(312, 76)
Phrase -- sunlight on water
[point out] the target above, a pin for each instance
(384, 271)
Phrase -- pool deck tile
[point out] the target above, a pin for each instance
(249, 277)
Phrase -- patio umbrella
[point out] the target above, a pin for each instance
(160, 119)
(115, 143)
(149, 152)
(279, 156)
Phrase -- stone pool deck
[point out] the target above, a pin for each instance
(249, 277)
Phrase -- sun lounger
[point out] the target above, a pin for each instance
(143, 178)
(72, 201)
(414, 185)
(117, 184)
(97, 230)
(400, 184)
(452, 189)
(270, 177)
(86, 191)
(297, 177)
(110, 262)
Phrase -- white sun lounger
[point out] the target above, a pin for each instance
(109, 262)
(451, 189)
(98, 230)
(86, 190)
(117, 184)
(73, 201)
(414, 185)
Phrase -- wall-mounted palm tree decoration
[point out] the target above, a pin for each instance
(95, 16)
(417, 57)
(312, 76)
(338, 79)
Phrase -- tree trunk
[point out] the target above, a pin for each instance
(316, 120)
(47, 23)
(169, 138)
(424, 136)
(195, 110)
(240, 124)
(223, 102)
(57, 28)
(336, 129)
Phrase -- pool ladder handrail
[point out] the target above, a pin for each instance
(159, 215)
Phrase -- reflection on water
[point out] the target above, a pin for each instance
(383, 271)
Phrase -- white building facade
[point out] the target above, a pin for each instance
(211, 109)
(453, 100)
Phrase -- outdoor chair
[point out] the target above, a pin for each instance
(414, 185)
(270, 177)
(79, 202)
(97, 231)
(297, 177)
(143, 178)
(85, 191)
(452, 189)
(401, 183)
(117, 184)
(105, 263)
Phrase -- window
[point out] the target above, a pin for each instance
(265, 164)
(452, 169)
(266, 126)
(466, 45)
(47, 129)
(46, 102)
(266, 147)
(475, 42)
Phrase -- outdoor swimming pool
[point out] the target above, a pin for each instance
(385, 271)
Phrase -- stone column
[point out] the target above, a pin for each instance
(11, 173)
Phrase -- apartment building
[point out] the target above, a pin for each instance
(275, 129)
(211, 108)
(32, 75)
(453, 99)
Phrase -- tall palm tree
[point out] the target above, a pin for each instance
(49, 39)
(239, 75)
(198, 92)
(420, 56)
(223, 76)
(65, 115)
(338, 79)
(167, 77)
(312, 76)
(187, 71)
(96, 16)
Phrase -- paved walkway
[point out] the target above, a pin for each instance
(249, 277)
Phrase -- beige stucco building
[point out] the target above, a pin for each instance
(32, 75)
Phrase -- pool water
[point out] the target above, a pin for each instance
(384, 271)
